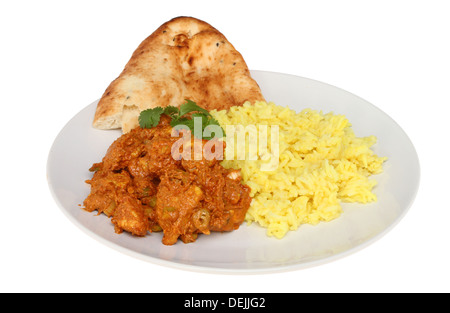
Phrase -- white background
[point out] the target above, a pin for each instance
(59, 56)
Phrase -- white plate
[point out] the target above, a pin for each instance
(248, 250)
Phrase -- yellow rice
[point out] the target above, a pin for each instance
(321, 164)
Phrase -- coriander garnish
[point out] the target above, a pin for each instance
(150, 118)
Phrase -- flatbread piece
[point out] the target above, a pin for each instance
(185, 58)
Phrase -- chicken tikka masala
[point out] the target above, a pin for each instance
(142, 188)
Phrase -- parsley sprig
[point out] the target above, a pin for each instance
(150, 118)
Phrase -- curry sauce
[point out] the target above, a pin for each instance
(143, 188)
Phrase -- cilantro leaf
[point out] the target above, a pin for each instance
(150, 118)
(171, 111)
(203, 116)
(213, 121)
(181, 121)
(191, 106)
(189, 123)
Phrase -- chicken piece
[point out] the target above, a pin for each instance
(201, 158)
(123, 150)
(105, 188)
(159, 159)
(130, 216)
(155, 155)
(226, 199)
(177, 206)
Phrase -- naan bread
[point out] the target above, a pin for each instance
(185, 58)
